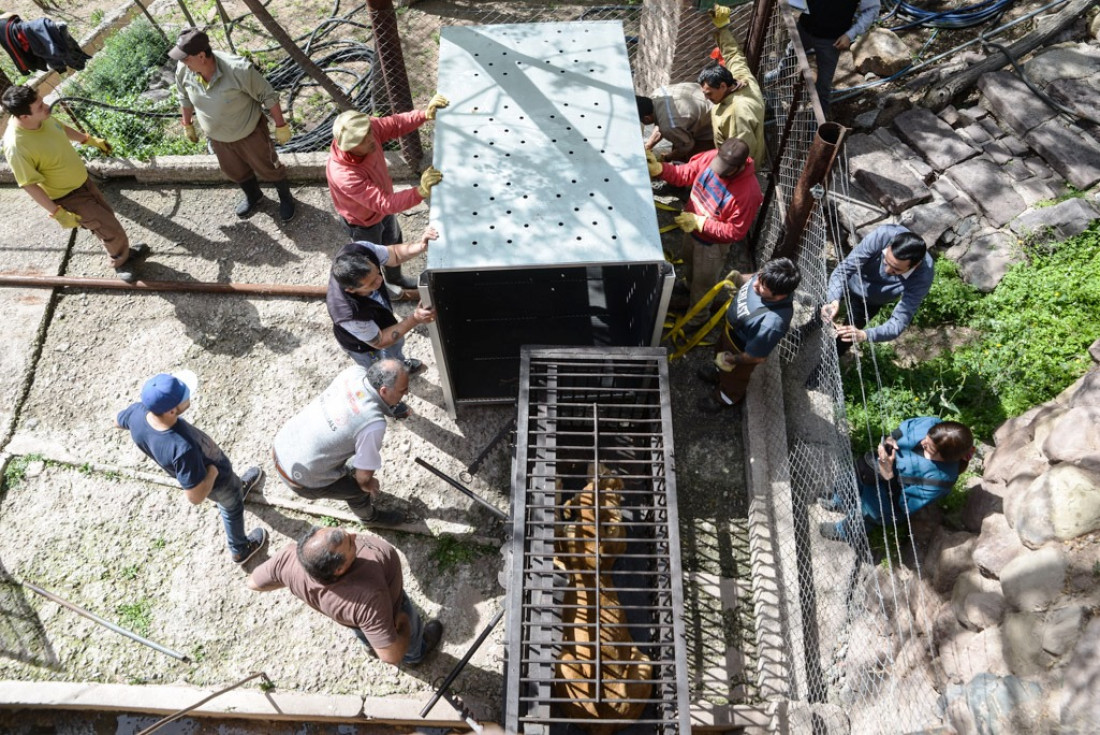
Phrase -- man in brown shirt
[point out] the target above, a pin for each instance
(355, 579)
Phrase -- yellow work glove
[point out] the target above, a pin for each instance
(65, 218)
(99, 143)
(653, 165)
(282, 134)
(428, 179)
(689, 221)
(434, 104)
(720, 16)
(191, 133)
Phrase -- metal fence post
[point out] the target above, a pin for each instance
(819, 162)
(762, 11)
(395, 78)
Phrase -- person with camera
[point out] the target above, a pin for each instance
(914, 466)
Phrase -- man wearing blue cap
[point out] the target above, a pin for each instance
(192, 457)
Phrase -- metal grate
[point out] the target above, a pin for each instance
(595, 631)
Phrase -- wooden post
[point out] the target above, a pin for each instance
(284, 39)
(395, 77)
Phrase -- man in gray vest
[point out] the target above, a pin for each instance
(756, 321)
(346, 422)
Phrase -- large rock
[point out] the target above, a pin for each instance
(1012, 102)
(1023, 643)
(882, 175)
(1004, 705)
(1072, 61)
(1057, 223)
(1069, 496)
(929, 220)
(987, 185)
(1086, 391)
(1029, 512)
(1031, 581)
(976, 601)
(1080, 706)
(880, 52)
(948, 556)
(1016, 454)
(933, 138)
(1061, 629)
(997, 545)
(1074, 155)
(1075, 438)
(983, 499)
(966, 655)
(984, 260)
(1079, 95)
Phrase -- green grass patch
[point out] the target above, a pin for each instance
(16, 471)
(1033, 334)
(450, 551)
(136, 616)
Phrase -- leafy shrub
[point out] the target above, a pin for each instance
(123, 67)
(1034, 332)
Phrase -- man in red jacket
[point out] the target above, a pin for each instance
(725, 197)
(360, 183)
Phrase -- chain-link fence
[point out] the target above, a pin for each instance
(857, 635)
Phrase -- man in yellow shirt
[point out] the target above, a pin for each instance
(738, 102)
(47, 167)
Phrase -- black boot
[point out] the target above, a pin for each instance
(252, 197)
(395, 277)
(286, 201)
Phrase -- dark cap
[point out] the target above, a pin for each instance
(190, 42)
(732, 154)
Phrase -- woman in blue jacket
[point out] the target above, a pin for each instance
(917, 464)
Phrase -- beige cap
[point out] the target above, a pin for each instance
(350, 128)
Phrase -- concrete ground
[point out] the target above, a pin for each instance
(88, 517)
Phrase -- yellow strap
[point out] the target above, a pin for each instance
(680, 341)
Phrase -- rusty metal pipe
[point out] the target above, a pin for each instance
(819, 163)
(762, 11)
(113, 284)
(175, 716)
(105, 623)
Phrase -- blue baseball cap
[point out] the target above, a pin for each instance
(161, 393)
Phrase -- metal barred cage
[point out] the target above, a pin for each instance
(595, 636)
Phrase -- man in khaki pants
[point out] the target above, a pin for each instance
(48, 168)
(227, 96)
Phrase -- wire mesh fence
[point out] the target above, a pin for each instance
(858, 635)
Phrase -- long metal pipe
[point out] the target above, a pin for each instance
(113, 284)
(105, 623)
(462, 489)
(175, 716)
(819, 162)
(458, 667)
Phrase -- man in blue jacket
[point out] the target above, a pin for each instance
(890, 263)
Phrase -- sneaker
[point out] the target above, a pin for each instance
(250, 480)
(402, 411)
(433, 633)
(128, 271)
(256, 541)
(375, 516)
(708, 374)
(414, 366)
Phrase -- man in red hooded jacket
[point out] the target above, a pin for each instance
(360, 184)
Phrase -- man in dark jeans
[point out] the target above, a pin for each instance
(192, 457)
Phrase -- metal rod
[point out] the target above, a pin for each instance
(762, 11)
(153, 20)
(338, 96)
(105, 623)
(462, 489)
(458, 667)
(227, 25)
(819, 162)
(247, 289)
(187, 14)
(480, 458)
(161, 723)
